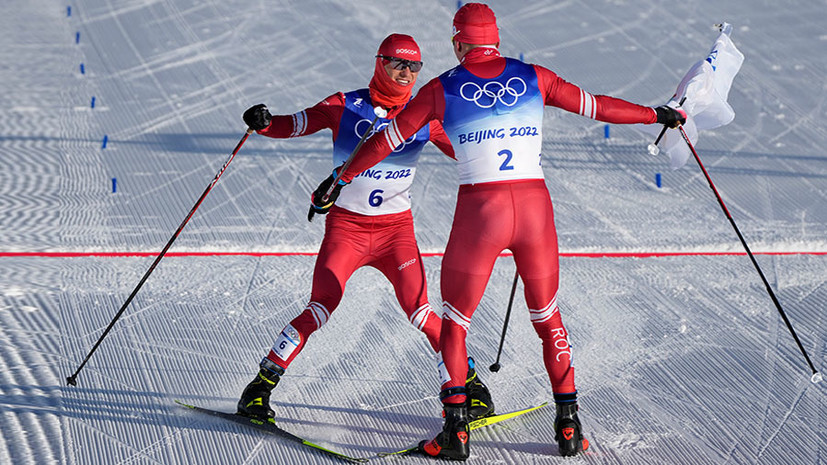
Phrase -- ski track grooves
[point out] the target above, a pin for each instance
(681, 358)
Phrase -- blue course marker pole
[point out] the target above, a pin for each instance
(105, 140)
(658, 180)
(82, 69)
(68, 11)
(606, 131)
(93, 102)
(114, 185)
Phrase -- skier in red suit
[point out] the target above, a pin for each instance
(371, 224)
(491, 107)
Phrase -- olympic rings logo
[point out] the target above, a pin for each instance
(359, 129)
(489, 94)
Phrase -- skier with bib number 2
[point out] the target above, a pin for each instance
(491, 108)
(370, 224)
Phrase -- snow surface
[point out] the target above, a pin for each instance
(681, 359)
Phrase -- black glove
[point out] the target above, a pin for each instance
(257, 117)
(317, 205)
(670, 117)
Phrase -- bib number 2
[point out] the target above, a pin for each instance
(506, 164)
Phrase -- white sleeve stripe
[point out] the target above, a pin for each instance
(304, 122)
(590, 99)
(454, 315)
(388, 137)
(299, 124)
(394, 137)
(588, 104)
(594, 106)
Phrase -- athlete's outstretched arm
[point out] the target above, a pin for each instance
(325, 114)
(421, 110)
(562, 94)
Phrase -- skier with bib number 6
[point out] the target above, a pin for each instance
(370, 224)
(491, 108)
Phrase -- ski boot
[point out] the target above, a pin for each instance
(453, 442)
(479, 400)
(255, 400)
(568, 432)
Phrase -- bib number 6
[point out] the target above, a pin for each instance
(375, 198)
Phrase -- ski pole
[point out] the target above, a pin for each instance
(72, 380)
(816, 377)
(495, 367)
(380, 113)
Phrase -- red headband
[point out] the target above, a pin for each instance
(400, 46)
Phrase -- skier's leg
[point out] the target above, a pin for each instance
(398, 258)
(481, 228)
(541, 298)
(537, 259)
(466, 269)
(339, 256)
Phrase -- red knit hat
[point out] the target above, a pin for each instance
(476, 24)
(400, 46)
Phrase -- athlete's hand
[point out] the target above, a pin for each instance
(257, 117)
(670, 117)
(317, 202)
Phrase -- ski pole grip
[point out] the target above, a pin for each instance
(663, 131)
(380, 112)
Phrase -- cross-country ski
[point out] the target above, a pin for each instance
(476, 424)
(270, 427)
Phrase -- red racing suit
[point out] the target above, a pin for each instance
(491, 108)
(371, 223)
